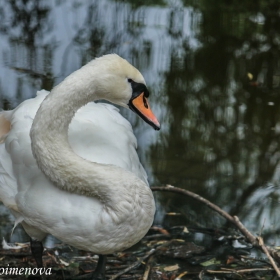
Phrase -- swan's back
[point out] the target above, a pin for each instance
(100, 134)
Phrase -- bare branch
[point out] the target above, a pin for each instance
(255, 241)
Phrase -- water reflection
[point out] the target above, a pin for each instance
(223, 124)
(214, 74)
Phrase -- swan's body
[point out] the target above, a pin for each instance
(95, 198)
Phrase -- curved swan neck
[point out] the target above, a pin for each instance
(65, 99)
(55, 157)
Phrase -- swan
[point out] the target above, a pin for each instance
(68, 166)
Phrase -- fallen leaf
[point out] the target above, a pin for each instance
(210, 262)
(185, 230)
(121, 255)
(63, 262)
(181, 275)
(161, 230)
(52, 257)
(23, 245)
(182, 250)
(254, 84)
(158, 272)
(250, 76)
(173, 214)
(230, 259)
(161, 242)
(171, 268)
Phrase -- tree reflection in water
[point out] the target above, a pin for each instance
(224, 126)
(213, 71)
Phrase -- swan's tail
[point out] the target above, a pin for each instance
(8, 185)
(5, 124)
(14, 144)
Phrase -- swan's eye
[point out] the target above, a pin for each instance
(129, 80)
(145, 102)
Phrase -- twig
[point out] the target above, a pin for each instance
(14, 254)
(157, 236)
(260, 234)
(255, 241)
(268, 255)
(129, 276)
(134, 265)
(148, 268)
(137, 263)
(116, 267)
(250, 237)
(248, 270)
(211, 205)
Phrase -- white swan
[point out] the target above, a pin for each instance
(101, 207)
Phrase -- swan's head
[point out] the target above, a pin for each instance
(121, 83)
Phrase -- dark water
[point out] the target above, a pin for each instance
(213, 69)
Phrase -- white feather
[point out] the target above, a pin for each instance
(97, 133)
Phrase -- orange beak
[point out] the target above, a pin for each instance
(140, 106)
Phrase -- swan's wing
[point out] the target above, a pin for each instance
(15, 153)
(97, 133)
(42, 207)
(100, 134)
(8, 186)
